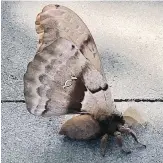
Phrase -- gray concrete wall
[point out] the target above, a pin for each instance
(129, 37)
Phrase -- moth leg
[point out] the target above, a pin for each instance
(119, 141)
(126, 129)
(93, 79)
(103, 144)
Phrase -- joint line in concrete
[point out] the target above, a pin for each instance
(115, 100)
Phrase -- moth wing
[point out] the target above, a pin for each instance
(48, 72)
(60, 21)
(99, 103)
(70, 26)
(81, 127)
(134, 116)
(46, 75)
(97, 99)
(48, 85)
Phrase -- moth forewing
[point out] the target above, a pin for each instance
(61, 56)
(45, 91)
(68, 25)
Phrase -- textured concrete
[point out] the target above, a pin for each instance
(29, 139)
(129, 36)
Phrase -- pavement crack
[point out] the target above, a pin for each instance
(14, 101)
(115, 100)
(139, 100)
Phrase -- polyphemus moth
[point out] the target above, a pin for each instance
(66, 76)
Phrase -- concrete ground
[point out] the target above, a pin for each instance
(129, 37)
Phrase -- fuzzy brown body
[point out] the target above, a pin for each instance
(81, 127)
(85, 127)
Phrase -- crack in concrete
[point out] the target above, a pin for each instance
(115, 100)
(139, 100)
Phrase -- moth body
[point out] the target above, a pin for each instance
(85, 127)
(81, 127)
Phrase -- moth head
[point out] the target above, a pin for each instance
(118, 118)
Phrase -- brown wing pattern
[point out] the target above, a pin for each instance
(58, 21)
(66, 54)
(46, 76)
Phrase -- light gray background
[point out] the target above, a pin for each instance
(129, 37)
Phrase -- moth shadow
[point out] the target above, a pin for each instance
(92, 145)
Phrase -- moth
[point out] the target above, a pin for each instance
(66, 76)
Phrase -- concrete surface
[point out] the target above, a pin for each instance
(29, 139)
(129, 36)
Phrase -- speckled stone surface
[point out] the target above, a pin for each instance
(29, 139)
(129, 37)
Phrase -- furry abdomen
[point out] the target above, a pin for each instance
(82, 127)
